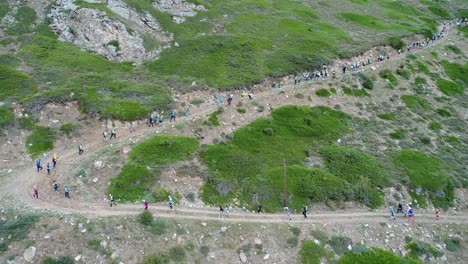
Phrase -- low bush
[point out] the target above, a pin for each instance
(40, 140)
(69, 129)
(386, 116)
(6, 116)
(322, 93)
(366, 81)
(340, 244)
(312, 253)
(26, 123)
(419, 249)
(452, 243)
(456, 72)
(319, 235)
(161, 194)
(396, 43)
(158, 258)
(449, 88)
(60, 260)
(295, 230)
(177, 254)
(387, 75)
(292, 242)
(375, 256)
(197, 102)
(146, 218)
(454, 49)
(416, 103)
(435, 126)
(355, 92)
(16, 229)
(398, 134)
(443, 112)
(403, 73)
(159, 226)
(204, 249)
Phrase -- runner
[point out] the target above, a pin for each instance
(67, 192)
(437, 215)
(38, 165)
(170, 201)
(54, 160)
(173, 115)
(55, 185)
(48, 168)
(80, 150)
(112, 134)
(392, 213)
(112, 200)
(400, 208)
(259, 209)
(221, 212)
(304, 211)
(145, 203)
(132, 126)
(36, 192)
(288, 212)
(228, 209)
(410, 213)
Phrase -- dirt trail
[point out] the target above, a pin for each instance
(17, 189)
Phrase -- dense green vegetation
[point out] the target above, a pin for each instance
(426, 178)
(416, 103)
(6, 116)
(312, 253)
(40, 140)
(375, 256)
(355, 92)
(139, 174)
(16, 229)
(322, 93)
(449, 88)
(422, 249)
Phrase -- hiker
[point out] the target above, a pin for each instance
(228, 209)
(400, 208)
(392, 213)
(145, 203)
(221, 212)
(150, 121)
(48, 168)
(158, 119)
(55, 186)
(36, 192)
(187, 112)
(344, 69)
(229, 99)
(38, 165)
(437, 213)
(173, 115)
(112, 134)
(132, 126)
(304, 211)
(67, 192)
(406, 210)
(170, 201)
(411, 214)
(221, 100)
(288, 212)
(54, 160)
(259, 209)
(250, 96)
(112, 200)
(80, 150)
(104, 134)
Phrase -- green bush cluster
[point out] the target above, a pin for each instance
(157, 258)
(386, 116)
(6, 116)
(340, 244)
(416, 103)
(40, 140)
(425, 173)
(449, 88)
(355, 92)
(25, 16)
(312, 253)
(375, 256)
(139, 174)
(387, 75)
(322, 92)
(398, 134)
(422, 249)
(456, 72)
(16, 228)
(60, 260)
(452, 243)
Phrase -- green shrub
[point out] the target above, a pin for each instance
(453, 140)
(6, 116)
(443, 112)
(416, 103)
(190, 196)
(161, 194)
(439, 11)
(387, 75)
(420, 80)
(456, 72)
(398, 134)
(312, 253)
(157, 258)
(299, 96)
(213, 119)
(14, 84)
(197, 102)
(26, 123)
(396, 43)
(375, 256)
(435, 126)
(322, 93)
(60, 260)
(135, 178)
(292, 242)
(295, 230)
(204, 249)
(241, 110)
(366, 81)
(146, 218)
(159, 226)
(423, 249)
(403, 73)
(16, 229)
(452, 243)
(177, 254)
(340, 244)
(40, 140)
(386, 116)
(454, 49)
(319, 235)
(355, 92)
(24, 19)
(69, 129)
(425, 172)
(449, 88)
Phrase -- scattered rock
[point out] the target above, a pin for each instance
(223, 229)
(242, 257)
(350, 247)
(126, 150)
(29, 254)
(98, 165)
(77, 258)
(267, 256)
(257, 241)
(103, 243)
(114, 255)
(211, 255)
(203, 224)
(95, 179)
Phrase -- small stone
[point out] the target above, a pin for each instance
(350, 247)
(267, 256)
(126, 150)
(114, 255)
(203, 224)
(95, 179)
(242, 257)
(98, 164)
(211, 255)
(443, 258)
(257, 241)
(29, 254)
(223, 229)
(119, 227)
(77, 258)
(386, 241)
(103, 243)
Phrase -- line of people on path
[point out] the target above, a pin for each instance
(55, 186)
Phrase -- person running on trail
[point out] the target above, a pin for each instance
(80, 150)
(112, 134)
(145, 203)
(173, 115)
(48, 168)
(38, 165)
(171, 202)
(132, 126)
(112, 200)
(304, 211)
(437, 213)
(406, 210)
(411, 214)
(150, 121)
(229, 99)
(221, 100)
(55, 185)
(392, 213)
(54, 160)
(288, 212)
(36, 192)
(104, 134)
(400, 208)
(67, 192)
(259, 209)
(221, 212)
(228, 209)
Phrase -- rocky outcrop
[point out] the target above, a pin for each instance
(179, 9)
(95, 30)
